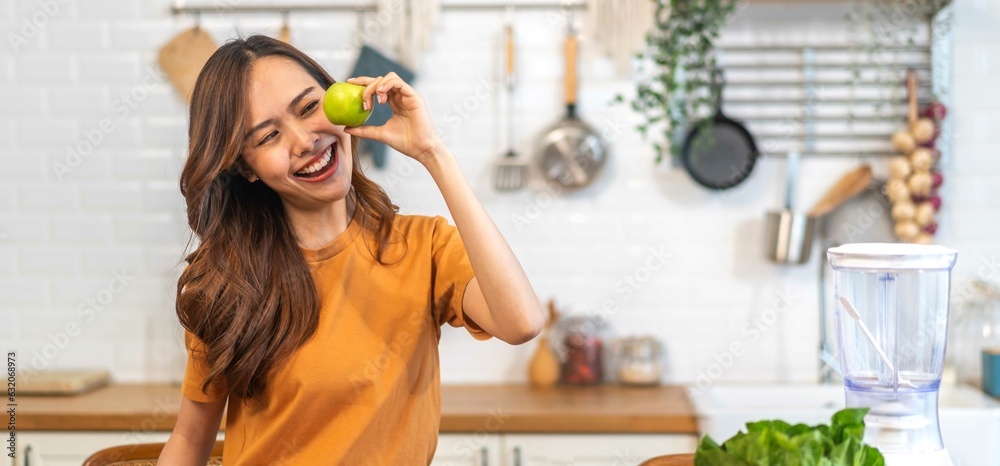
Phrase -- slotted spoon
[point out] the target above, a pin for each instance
(510, 169)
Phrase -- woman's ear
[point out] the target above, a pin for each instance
(245, 171)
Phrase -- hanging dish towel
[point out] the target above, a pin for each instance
(408, 28)
(619, 30)
(373, 63)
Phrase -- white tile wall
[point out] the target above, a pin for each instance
(64, 236)
(22, 102)
(80, 102)
(53, 133)
(120, 197)
(86, 229)
(8, 263)
(39, 197)
(50, 260)
(44, 68)
(71, 36)
(27, 164)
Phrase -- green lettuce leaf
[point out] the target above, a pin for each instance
(778, 443)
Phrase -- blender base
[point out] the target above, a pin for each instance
(937, 458)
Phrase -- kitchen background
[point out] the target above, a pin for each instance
(117, 215)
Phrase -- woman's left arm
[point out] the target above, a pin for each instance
(499, 298)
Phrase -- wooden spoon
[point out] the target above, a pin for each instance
(848, 186)
(285, 33)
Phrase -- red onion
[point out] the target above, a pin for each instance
(935, 201)
(935, 110)
(936, 179)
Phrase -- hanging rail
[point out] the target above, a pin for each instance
(197, 9)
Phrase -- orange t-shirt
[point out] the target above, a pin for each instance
(365, 389)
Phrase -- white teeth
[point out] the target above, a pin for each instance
(320, 164)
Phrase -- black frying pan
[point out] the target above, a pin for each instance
(726, 156)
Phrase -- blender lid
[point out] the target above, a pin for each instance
(891, 256)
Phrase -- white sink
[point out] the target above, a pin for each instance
(970, 421)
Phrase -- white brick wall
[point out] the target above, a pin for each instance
(63, 237)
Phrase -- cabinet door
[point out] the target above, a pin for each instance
(467, 449)
(588, 449)
(72, 448)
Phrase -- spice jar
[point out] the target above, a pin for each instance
(639, 361)
(580, 351)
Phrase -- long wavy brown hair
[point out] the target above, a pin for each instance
(247, 292)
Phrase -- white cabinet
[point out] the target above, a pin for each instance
(591, 449)
(453, 449)
(72, 448)
(467, 449)
(557, 449)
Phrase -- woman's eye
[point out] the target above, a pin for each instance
(268, 137)
(310, 107)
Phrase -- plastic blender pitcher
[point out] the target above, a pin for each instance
(891, 304)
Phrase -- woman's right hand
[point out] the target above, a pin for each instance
(410, 130)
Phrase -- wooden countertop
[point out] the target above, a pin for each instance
(521, 408)
(464, 408)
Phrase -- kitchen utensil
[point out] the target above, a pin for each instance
(892, 355)
(864, 218)
(183, 57)
(510, 169)
(868, 334)
(285, 33)
(61, 382)
(543, 370)
(848, 186)
(789, 234)
(570, 153)
(724, 156)
(373, 63)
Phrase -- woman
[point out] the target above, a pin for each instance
(309, 303)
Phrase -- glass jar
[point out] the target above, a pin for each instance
(976, 328)
(639, 362)
(580, 351)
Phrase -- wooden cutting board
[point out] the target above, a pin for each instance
(183, 58)
(61, 382)
(670, 460)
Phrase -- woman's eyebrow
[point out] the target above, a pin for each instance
(291, 108)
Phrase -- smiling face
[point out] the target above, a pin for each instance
(289, 144)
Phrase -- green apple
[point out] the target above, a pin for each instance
(343, 104)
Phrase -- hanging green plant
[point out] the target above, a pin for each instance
(885, 25)
(680, 47)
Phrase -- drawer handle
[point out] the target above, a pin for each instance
(484, 458)
(517, 456)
